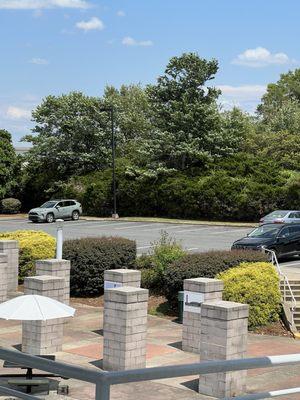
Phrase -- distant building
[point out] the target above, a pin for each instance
(21, 150)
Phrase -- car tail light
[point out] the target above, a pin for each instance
(261, 220)
(279, 221)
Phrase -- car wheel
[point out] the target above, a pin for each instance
(75, 215)
(50, 218)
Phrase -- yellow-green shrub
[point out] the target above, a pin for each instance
(256, 284)
(34, 245)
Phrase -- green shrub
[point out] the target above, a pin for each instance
(10, 205)
(256, 284)
(34, 245)
(163, 252)
(90, 257)
(206, 265)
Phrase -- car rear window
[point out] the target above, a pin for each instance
(277, 214)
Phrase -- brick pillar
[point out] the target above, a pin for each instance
(224, 330)
(54, 267)
(3, 277)
(125, 328)
(122, 277)
(43, 337)
(11, 248)
(198, 289)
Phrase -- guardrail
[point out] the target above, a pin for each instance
(103, 380)
(286, 283)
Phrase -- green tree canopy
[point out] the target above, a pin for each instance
(8, 163)
(186, 116)
(71, 135)
(281, 97)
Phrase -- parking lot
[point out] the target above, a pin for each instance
(194, 238)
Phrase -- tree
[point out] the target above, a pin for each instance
(186, 116)
(72, 136)
(285, 93)
(8, 164)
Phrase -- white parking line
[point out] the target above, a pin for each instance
(143, 247)
(194, 230)
(164, 227)
(91, 224)
(192, 248)
(289, 264)
(135, 226)
(229, 230)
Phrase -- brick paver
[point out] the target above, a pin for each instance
(83, 346)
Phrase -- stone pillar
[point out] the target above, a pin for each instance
(224, 331)
(122, 277)
(125, 328)
(54, 267)
(197, 291)
(3, 277)
(11, 248)
(43, 337)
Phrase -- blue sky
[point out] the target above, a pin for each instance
(56, 46)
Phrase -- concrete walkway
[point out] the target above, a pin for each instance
(83, 346)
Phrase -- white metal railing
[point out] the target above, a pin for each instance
(287, 290)
(103, 380)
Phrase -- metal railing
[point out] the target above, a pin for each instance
(104, 380)
(287, 290)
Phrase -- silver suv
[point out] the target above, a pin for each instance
(56, 209)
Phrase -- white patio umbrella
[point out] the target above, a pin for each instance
(34, 308)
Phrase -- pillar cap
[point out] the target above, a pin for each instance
(203, 285)
(226, 310)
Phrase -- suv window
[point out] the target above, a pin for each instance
(295, 229)
(62, 204)
(292, 215)
(70, 203)
(297, 215)
(285, 232)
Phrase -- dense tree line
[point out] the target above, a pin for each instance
(178, 153)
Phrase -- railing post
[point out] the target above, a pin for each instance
(102, 391)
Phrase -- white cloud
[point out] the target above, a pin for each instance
(40, 4)
(17, 113)
(243, 92)
(121, 13)
(261, 57)
(39, 61)
(129, 41)
(246, 97)
(93, 24)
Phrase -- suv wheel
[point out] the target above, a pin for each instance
(50, 218)
(75, 215)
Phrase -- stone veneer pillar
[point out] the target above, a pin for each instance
(224, 330)
(43, 337)
(122, 277)
(3, 277)
(11, 248)
(54, 267)
(207, 290)
(125, 328)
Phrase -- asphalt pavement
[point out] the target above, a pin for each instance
(194, 238)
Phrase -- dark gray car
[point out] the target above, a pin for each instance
(56, 209)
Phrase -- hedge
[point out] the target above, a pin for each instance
(256, 284)
(90, 257)
(34, 245)
(10, 205)
(206, 265)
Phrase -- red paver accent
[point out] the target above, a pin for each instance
(94, 351)
(154, 350)
(267, 348)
